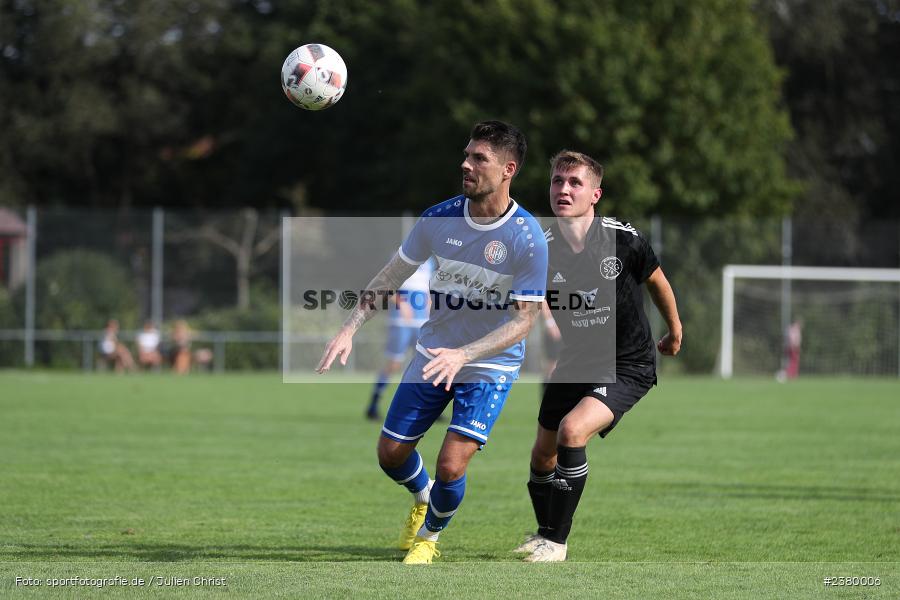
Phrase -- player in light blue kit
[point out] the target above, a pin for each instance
(408, 312)
(486, 293)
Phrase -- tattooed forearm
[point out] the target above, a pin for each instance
(506, 335)
(388, 280)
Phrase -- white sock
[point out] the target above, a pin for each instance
(427, 534)
(424, 495)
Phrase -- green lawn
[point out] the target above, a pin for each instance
(708, 489)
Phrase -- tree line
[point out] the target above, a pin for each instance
(718, 107)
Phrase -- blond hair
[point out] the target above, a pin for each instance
(566, 160)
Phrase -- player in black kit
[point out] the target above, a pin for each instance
(608, 359)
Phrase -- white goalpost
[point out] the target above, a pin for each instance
(854, 316)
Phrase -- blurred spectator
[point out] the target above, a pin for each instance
(203, 357)
(148, 341)
(408, 312)
(181, 347)
(181, 356)
(794, 338)
(112, 351)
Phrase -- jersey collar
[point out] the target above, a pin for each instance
(489, 226)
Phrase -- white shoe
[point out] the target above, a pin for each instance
(547, 551)
(530, 543)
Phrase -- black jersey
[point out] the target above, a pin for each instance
(596, 300)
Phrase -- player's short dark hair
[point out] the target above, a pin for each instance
(565, 160)
(502, 136)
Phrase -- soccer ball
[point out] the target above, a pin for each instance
(314, 76)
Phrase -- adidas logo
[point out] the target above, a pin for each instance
(548, 235)
(562, 484)
(601, 391)
(558, 278)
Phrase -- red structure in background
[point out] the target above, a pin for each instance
(12, 234)
(793, 341)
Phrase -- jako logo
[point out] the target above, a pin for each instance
(453, 242)
(478, 425)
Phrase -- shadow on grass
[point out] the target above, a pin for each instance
(785, 491)
(185, 553)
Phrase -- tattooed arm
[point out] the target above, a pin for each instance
(506, 335)
(448, 361)
(388, 280)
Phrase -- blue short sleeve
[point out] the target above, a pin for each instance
(530, 278)
(416, 248)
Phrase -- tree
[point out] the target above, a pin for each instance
(680, 100)
(177, 102)
(247, 242)
(110, 103)
(842, 89)
(81, 289)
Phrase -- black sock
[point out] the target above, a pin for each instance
(571, 475)
(540, 484)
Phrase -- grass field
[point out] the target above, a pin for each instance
(708, 489)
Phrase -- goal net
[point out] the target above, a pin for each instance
(847, 320)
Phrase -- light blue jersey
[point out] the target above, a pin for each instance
(478, 269)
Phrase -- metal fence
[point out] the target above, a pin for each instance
(65, 272)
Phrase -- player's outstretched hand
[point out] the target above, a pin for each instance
(340, 345)
(669, 344)
(444, 366)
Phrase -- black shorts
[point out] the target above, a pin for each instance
(560, 398)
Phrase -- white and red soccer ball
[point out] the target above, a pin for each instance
(314, 76)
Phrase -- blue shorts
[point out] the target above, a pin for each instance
(400, 338)
(476, 406)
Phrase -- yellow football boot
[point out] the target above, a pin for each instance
(422, 552)
(413, 524)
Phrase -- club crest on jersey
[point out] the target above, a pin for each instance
(495, 252)
(610, 267)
